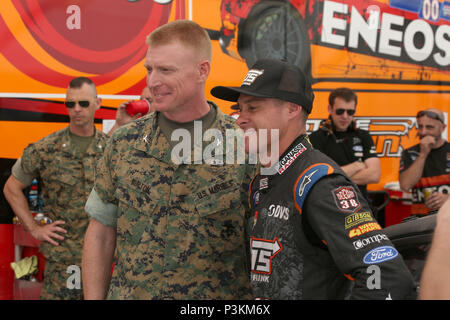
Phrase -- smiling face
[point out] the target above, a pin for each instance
(174, 77)
(256, 114)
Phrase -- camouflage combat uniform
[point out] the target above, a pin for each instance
(67, 177)
(180, 228)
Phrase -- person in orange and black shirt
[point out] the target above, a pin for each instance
(425, 168)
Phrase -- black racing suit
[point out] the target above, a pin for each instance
(312, 235)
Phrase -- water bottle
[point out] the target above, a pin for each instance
(33, 196)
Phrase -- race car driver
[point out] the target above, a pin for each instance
(312, 234)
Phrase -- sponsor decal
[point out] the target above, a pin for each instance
(263, 252)
(346, 199)
(278, 211)
(289, 158)
(418, 194)
(357, 218)
(263, 183)
(257, 277)
(307, 179)
(256, 198)
(361, 243)
(251, 76)
(387, 34)
(380, 254)
(68, 39)
(363, 229)
(357, 140)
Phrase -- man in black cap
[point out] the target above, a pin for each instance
(312, 234)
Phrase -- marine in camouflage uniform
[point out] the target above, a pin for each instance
(64, 164)
(180, 228)
(67, 177)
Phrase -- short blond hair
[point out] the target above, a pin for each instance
(187, 32)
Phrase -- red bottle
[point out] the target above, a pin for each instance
(138, 106)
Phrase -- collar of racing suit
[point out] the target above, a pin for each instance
(295, 149)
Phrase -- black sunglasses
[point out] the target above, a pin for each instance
(429, 114)
(82, 103)
(341, 112)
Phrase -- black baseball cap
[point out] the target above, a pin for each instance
(270, 78)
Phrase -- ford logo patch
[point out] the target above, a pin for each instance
(380, 254)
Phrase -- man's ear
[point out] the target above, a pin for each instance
(330, 109)
(204, 69)
(98, 102)
(293, 110)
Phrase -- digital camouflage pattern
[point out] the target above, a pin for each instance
(180, 228)
(55, 286)
(67, 178)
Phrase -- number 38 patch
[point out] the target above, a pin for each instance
(346, 199)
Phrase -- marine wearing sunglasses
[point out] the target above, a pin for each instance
(82, 103)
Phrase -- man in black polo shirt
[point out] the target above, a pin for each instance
(351, 148)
